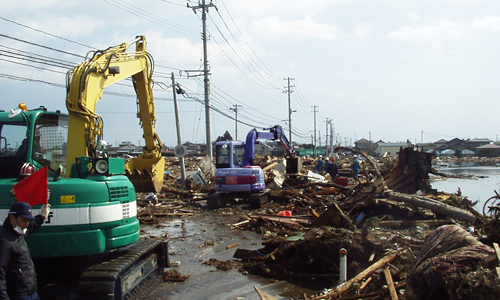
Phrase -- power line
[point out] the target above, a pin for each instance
(67, 65)
(41, 46)
(173, 3)
(248, 45)
(250, 66)
(46, 33)
(132, 9)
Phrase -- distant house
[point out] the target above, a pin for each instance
(126, 147)
(473, 144)
(389, 149)
(194, 148)
(455, 144)
(112, 151)
(365, 146)
(440, 143)
(263, 149)
(490, 150)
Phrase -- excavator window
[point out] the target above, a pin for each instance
(50, 141)
(11, 143)
(238, 153)
(11, 137)
(222, 157)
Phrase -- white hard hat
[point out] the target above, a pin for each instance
(320, 156)
(326, 158)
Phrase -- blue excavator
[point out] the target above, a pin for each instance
(237, 178)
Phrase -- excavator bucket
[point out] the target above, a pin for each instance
(146, 174)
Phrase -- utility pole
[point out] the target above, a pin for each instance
(331, 136)
(235, 109)
(206, 71)
(328, 145)
(178, 126)
(319, 138)
(314, 111)
(289, 91)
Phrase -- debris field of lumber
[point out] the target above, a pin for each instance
(404, 240)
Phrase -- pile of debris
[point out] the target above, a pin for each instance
(401, 238)
(400, 243)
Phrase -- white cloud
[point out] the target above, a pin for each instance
(488, 23)
(441, 30)
(363, 30)
(180, 50)
(413, 16)
(68, 27)
(465, 2)
(423, 34)
(283, 8)
(6, 6)
(295, 31)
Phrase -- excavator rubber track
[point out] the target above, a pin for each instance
(128, 269)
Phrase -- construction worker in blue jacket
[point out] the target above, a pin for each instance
(319, 165)
(355, 166)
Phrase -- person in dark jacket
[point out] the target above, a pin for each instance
(333, 170)
(17, 272)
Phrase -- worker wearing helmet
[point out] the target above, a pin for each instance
(326, 164)
(319, 165)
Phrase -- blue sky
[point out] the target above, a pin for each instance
(381, 69)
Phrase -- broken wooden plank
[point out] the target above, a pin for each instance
(314, 212)
(497, 251)
(334, 216)
(373, 295)
(434, 205)
(365, 273)
(298, 221)
(236, 225)
(269, 167)
(263, 295)
(329, 191)
(390, 283)
(362, 287)
(386, 224)
(232, 246)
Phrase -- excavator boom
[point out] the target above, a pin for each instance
(86, 84)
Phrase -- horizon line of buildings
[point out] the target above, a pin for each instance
(456, 146)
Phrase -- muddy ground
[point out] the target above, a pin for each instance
(198, 244)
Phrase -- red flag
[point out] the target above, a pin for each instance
(34, 189)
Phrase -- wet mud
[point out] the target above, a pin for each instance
(198, 247)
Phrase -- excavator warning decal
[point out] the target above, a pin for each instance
(68, 199)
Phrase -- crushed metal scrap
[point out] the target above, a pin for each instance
(401, 238)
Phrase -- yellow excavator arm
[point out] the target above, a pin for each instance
(86, 83)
